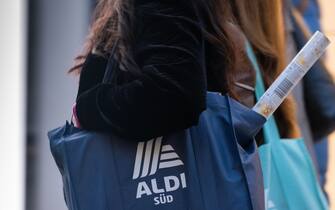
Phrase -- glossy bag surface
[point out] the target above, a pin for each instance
(211, 166)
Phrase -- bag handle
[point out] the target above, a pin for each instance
(107, 79)
(270, 129)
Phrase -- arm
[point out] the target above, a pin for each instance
(170, 94)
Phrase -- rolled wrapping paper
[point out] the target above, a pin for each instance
(292, 74)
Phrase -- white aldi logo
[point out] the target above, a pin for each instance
(155, 157)
(150, 157)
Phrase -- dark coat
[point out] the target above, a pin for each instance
(176, 62)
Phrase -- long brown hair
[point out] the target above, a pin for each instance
(113, 20)
(263, 24)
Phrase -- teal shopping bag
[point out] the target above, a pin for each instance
(290, 179)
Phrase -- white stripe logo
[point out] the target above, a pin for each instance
(152, 155)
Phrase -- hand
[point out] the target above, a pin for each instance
(75, 119)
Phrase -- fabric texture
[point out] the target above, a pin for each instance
(211, 166)
(169, 51)
(178, 67)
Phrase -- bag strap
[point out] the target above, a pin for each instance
(108, 76)
(107, 79)
(270, 129)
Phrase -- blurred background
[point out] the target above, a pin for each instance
(38, 42)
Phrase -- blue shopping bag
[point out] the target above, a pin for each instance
(289, 175)
(211, 166)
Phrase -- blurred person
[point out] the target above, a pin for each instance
(269, 31)
(291, 51)
(262, 24)
(315, 115)
(310, 10)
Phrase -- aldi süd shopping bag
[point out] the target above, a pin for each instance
(211, 166)
(289, 175)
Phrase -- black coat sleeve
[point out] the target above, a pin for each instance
(170, 94)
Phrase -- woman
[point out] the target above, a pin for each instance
(264, 29)
(161, 74)
(169, 53)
